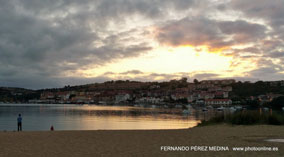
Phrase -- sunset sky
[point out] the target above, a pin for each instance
(52, 43)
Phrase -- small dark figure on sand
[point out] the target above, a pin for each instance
(19, 119)
(51, 128)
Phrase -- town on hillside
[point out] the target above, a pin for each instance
(224, 92)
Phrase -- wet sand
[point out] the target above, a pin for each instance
(142, 142)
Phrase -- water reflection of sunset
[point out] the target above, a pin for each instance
(93, 117)
(133, 123)
(117, 117)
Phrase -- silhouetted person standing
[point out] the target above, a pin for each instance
(19, 119)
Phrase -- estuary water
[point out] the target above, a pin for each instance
(40, 117)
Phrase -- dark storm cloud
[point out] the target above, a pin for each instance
(106, 9)
(242, 31)
(270, 66)
(211, 33)
(256, 31)
(271, 11)
(148, 8)
(252, 50)
(191, 31)
(41, 40)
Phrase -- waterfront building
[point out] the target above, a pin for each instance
(215, 102)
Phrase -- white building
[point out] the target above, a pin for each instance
(218, 102)
(121, 98)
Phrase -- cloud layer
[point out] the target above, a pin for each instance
(48, 43)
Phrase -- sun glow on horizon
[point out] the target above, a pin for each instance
(169, 60)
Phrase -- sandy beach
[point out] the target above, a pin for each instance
(143, 142)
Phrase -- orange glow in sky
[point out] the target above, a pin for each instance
(170, 60)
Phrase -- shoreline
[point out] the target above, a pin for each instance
(141, 142)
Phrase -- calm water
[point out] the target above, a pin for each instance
(92, 117)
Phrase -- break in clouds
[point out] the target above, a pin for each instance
(48, 43)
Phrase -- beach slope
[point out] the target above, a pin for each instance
(143, 142)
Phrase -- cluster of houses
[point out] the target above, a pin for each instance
(263, 99)
(207, 92)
